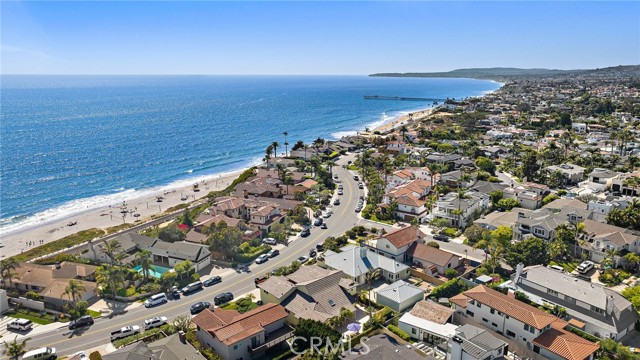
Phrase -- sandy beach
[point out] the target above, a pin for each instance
(137, 209)
(404, 120)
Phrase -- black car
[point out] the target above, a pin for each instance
(305, 232)
(336, 202)
(80, 322)
(318, 222)
(199, 306)
(223, 298)
(319, 246)
(312, 253)
(441, 237)
(323, 226)
(212, 281)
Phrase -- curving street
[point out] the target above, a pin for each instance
(344, 217)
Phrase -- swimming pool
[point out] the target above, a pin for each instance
(155, 271)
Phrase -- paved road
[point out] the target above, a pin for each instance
(343, 218)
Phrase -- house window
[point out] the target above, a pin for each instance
(492, 311)
(470, 313)
(235, 347)
(494, 324)
(485, 320)
(413, 331)
(449, 265)
(387, 246)
(478, 305)
(597, 309)
(510, 333)
(552, 292)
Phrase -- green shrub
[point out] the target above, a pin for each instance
(396, 330)
(61, 244)
(95, 356)
(450, 232)
(449, 289)
(450, 273)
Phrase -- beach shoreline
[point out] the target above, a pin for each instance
(144, 206)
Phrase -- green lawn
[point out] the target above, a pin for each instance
(94, 314)
(568, 266)
(33, 316)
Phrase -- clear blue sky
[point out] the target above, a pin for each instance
(313, 37)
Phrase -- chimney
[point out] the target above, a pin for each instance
(610, 305)
(182, 336)
(519, 269)
(245, 194)
(363, 252)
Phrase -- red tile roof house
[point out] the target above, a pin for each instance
(433, 261)
(538, 330)
(242, 336)
(396, 243)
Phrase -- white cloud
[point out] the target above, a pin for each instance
(18, 50)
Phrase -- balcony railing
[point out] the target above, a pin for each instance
(271, 343)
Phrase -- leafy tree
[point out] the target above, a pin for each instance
(549, 198)
(111, 248)
(633, 295)
(182, 323)
(433, 244)
(8, 270)
(278, 232)
(502, 235)
(632, 260)
(611, 349)
(496, 196)
(171, 234)
(486, 164)
(310, 328)
(508, 203)
(450, 273)
(186, 219)
(143, 258)
(77, 309)
(168, 279)
(531, 251)
(475, 233)
(557, 249)
(183, 269)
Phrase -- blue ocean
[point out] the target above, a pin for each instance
(69, 143)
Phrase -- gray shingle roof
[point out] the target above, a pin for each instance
(477, 342)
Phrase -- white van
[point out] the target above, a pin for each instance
(156, 299)
(44, 353)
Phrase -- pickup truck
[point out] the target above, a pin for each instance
(124, 332)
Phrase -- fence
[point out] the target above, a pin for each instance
(29, 303)
(425, 277)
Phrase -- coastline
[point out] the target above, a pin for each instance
(104, 217)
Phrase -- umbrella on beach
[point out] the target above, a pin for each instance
(354, 327)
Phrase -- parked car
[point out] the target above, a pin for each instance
(360, 186)
(44, 353)
(356, 178)
(80, 355)
(312, 253)
(319, 246)
(273, 253)
(155, 322)
(125, 332)
(358, 209)
(156, 299)
(262, 258)
(585, 266)
(556, 268)
(199, 306)
(223, 298)
(441, 237)
(336, 202)
(327, 214)
(318, 222)
(20, 325)
(82, 321)
(340, 192)
(305, 232)
(175, 294)
(193, 287)
(269, 241)
(323, 226)
(212, 281)
(303, 259)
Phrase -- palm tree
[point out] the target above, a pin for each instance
(403, 131)
(286, 144)
(111, 277)
(14, 349)
(8, 270)
(578, 230)
(369, 277)
(182, 323)
(267, 154)
(557, 248)
(275, 145)
(632, 260)
(111, 248)
(345, 314)
(74, 289)
(143, 258)
(317, 143)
